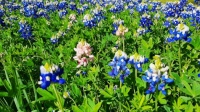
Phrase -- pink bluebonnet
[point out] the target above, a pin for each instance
(118, 65)
(121, 30)
(157, 75)
(50, 74)
(137, 60)
(83, 53)
(116, 24)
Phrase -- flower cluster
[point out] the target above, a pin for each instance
(25, 30)
(137, 60)
(118, 65)
(83, 53)
(146, 21)
(89, 21)
(157, 74)
(49, 74)
(180, 33)
(116, 24)
(121, 30)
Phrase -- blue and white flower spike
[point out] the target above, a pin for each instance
(137, 60)
(118, 65)
(157, 74)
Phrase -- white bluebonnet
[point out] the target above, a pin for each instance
(118, 65)
(137, 60)
(157, 74)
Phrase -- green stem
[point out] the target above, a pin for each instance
(58, 98)
(156, 104)
(136, 89)
(34, 89)
(123, 44)
(179, 58)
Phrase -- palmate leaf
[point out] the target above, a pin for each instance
(45, 95)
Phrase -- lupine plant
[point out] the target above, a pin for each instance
(99, 56)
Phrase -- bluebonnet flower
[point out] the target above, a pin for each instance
(25, 30)
(141, 31)
(62, 5)
(54, 39)
(142, 8)
(157, 74)
(137, 60)
(40, 4)
(72, 6)
(49, 74)
(117, 8)
(116, 24)
(146, 21)
(197, 2)
(167, 23)
(51, 6)
(98, 13)
(62, 13)
(180, 33)
(118, 65)
(89, 21)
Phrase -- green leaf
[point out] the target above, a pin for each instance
(167, 108)
(45, 95)
(145, 44)
(146, 107)
(189, 107)
(96, 107)
(188, 88)
(161, 98)
(105, 94)
(76, 90)
(4, 94)
(76, 109)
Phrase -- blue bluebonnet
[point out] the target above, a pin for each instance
(62, 5)
(72, 6)
(180, 33)
(142, 8)
(25, 30)
(146, 21)
(118, 65)
(167, 23)
(51, 6)
(62, 13)
(55, 38)
(137, 60)
(157, 75)
(89, 21)
(50, 74)
(98, 13)
(117, 8)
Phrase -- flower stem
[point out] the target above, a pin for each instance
(123, 44)
(136, 89)
(58, 98)
(156, 101)
(179, 58)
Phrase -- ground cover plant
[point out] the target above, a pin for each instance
(99, 56)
